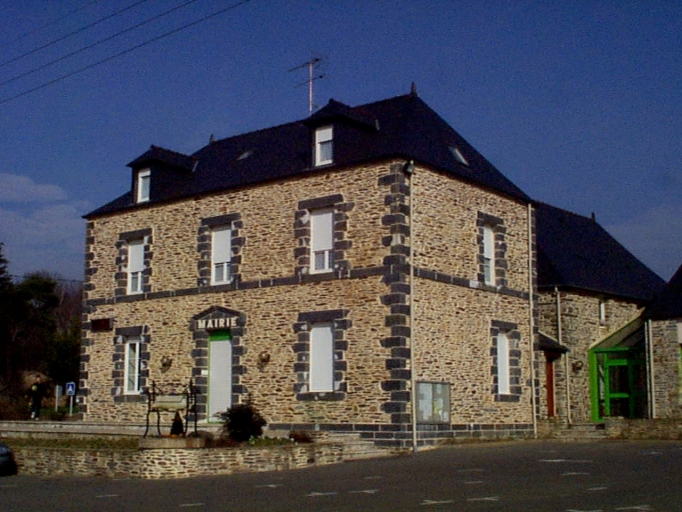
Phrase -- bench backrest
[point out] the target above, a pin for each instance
(169, 403)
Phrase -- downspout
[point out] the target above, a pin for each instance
(531, 321)
(650, 363)
(409, 170)
(561, 342)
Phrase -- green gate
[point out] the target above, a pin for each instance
(618, 376)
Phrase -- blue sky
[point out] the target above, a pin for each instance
(579, 103)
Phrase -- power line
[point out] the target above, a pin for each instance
(82, 29)
(49, 23)
(124, 52)
(97, 43)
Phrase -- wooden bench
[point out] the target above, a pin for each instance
(158, 402)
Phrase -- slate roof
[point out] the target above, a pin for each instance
(403, 127)
(668, 305)
(576, 252)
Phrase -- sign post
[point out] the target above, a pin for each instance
(70, 392)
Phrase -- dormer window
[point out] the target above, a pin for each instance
(143, 185)
(324, 149)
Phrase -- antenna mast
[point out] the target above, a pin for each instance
(312, 64)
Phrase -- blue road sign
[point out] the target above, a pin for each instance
(70, 388)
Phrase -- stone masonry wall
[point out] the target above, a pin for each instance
(581, 330)
(667, 379)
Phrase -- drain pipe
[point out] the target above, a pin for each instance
(560, 339)
(409, 170)
(650, 357)
(531, 322)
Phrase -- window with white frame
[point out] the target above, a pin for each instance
(322, 240)
(502, 346)
(221, 254)
(324, 145)
(132, 365)
(321, 358)
(143, 185)
(602, 312)
(135, 265)
(488, 255)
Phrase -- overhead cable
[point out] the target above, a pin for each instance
(97, 43)
(124, 52)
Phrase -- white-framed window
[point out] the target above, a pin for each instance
(144, 178)
(221, 256)
(132, 366)
(322, 240)
(602, 312)
(433, 402)
(324, 145)
(502, 345)
(135, 265)
(488, 255)
(321, 358)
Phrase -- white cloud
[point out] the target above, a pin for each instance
(22, 189)
(655, 237)
(45, 236)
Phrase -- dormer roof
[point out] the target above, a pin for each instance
(401, 127)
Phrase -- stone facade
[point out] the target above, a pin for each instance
(666, 336)
(439, 326)
(582, 327)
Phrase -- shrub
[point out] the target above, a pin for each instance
(242, 422)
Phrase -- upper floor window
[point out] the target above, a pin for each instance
(221, 254)
(488, 256)
(143, 185)
(324, 145)
(132, 365)
(602, 313)
(322, 240)
(135, 265)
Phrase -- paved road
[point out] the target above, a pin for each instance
(519, 477)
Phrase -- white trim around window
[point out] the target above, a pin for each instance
(322, 240)
(321, 358)
(324, 145)
(135, 265)
(502, 363)
(221, 254)
(144, 178)
(131, 377)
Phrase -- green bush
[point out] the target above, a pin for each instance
(242, 422)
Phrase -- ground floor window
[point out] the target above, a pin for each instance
(433, 402)
(132, 365)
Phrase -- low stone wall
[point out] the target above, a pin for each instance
(658, 429)
(174, 463)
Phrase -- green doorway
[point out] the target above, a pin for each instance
(618, 376)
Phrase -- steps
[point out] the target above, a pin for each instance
(582, 432)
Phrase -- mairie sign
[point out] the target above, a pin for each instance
(217, 323)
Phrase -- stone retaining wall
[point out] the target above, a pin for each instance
(175, 463)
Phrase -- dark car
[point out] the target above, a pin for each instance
(8, 466)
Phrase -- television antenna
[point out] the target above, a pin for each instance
(312, 66)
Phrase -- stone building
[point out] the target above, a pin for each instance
(592, 292)
(324, 270)
(663, 327)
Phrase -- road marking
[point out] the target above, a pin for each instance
(188, 505)
(597, 488)
(567, 460)
(269, 486)
(373, 477)
(364, 491)
(426, 503)
(101, 496)
(314, 494)
(574, 473)
(473, 470)
(474, 482)
(637, 507)
(488, 498)
(576, 510)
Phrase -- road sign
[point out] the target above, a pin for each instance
(70, 388)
